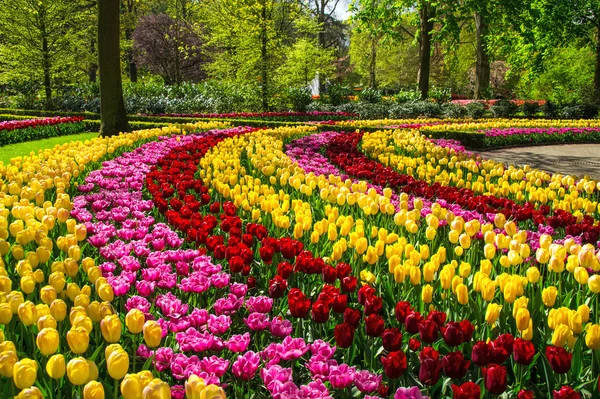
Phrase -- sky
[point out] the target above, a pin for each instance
(342, 10)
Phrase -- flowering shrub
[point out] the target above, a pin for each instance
(293, 263)
(34, 129)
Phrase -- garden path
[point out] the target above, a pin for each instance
(571, 159)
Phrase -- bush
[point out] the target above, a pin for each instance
(407, 96)
(549, 109)
(440, 95)
(530, 108)
(318, 106)
(371, 111)
(350, 107)
(475, 110)
(337, 94)
(370, 95)
(428, 109)
(580, 111)
(299, 98)
(504, 109)
(454, 110)
(403, 111)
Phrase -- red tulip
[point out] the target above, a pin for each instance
(414, 344)
(375, 325)
(329, 274)
(344, 335)
(392, 339)
(452, 334)
(412, 322)
(468, 390)
(494, 377)
(481, 353)
(455, 365)
(394, 364)
(506, 341)
(320, 312)
(402, 310)
(467, 329)
(428, 330)
(365, 292)
(285, 269)
(429, 372)
(339, 303)
(352, 317)
(343, 270)
(266, 254)
(349, 284)
(525, 394)
(438, 317)
(559, 359)
(277, 287)
(523, 351)
(373, 305)
(566, 393)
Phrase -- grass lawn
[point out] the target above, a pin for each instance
(21, 149)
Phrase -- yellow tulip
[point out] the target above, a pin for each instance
(462, 294)
(5, 313)
(213, 392)
(78, 339)
(492, 313)
(194, 387)
(575, 322)
(93, 390)
(47, 341)
(549, 296)
(594, 283)
(131, 387)
(592, 336)
(152, 333)
(25, 373)
(55, 368)
(134, 320)
(533, 274)
(427, 293)
(8, 358)
(522, 318)
(93, 371)
(118, 364)
(111, 327)
(157, 389)
(30, 393)
(78, 371)
(27, 313)
(561, 333)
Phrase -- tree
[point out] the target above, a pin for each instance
(112, 107)
(304, 60)
(248, 40)
(42, 39)
(169, 48)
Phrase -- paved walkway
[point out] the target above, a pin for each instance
(567, 159)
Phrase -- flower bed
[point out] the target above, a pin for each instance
(293, 263)
(18, 131)
(268, 116)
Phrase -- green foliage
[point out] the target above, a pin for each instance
(475, 110)
(303, 60)
(44, 39)
(337, 94)
(404, 96)
(370, 95)
(299, 98)
(568, 77)
(530, 108)
(453, 110)
(504, 109)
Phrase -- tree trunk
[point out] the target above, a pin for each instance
(264, 65)
(482, 68)
(93, 70)
(425, 14)
(46, 67)
(112, 107)
(373, 64)
(131, 65)
(597, 71)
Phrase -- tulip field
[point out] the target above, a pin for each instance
(335, 259)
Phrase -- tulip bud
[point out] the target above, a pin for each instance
(78, 339)
(27, 313)
(194, 387)
(427, 293)
(111, 327)
(93, 390)
(592, 336)
(47, 341)
(152, 333)
(561, 334)
(492, 313)
(118, 364)
(131, 387)
(55, 367)
(549, 296)
(93, 371)
(8, 358)
(5, 313)
(25, 373)
(157, 389)
(522, 318)
(30, 393)
(462, 294)
(594, 283)
(78, 371)
(134, 320)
